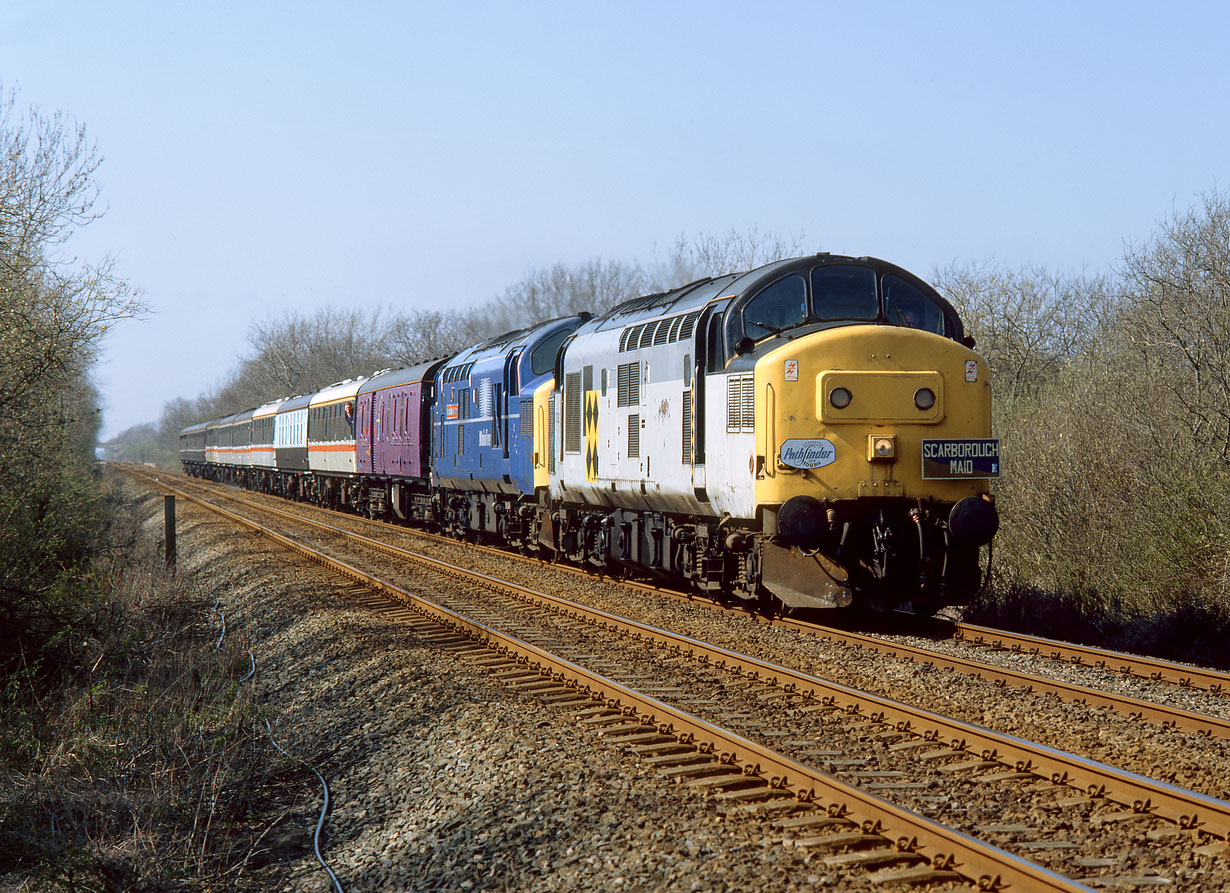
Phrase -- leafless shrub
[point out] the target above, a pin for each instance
(715, 254)
(1179, 282)
(1028, 323)
(1112, 400)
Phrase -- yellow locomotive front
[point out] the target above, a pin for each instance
(873, 448)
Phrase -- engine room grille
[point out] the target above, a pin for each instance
(572, 412)
(527, 418)
(628, 384)
(551, 434)
(634, 436)
(740, 403)
(689, 323)
(659, 331)
(687, 427)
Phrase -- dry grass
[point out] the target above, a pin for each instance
(150, 769)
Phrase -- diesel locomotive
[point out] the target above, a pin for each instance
(813, 433)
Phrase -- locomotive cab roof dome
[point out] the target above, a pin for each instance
(803, 294)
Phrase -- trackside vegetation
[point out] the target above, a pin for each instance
(1112, 397)
(128, 760)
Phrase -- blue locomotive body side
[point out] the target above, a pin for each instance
(482, 396)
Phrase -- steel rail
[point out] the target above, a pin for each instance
(987, 866)
(1133, 708)
(1088, 656)
(1187, 809)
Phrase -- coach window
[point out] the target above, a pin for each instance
(780, 306)
(844, 291)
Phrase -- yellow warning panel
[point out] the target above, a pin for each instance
(591, 435)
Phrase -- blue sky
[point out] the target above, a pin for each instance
(270, 157)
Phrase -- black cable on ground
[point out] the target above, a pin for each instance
(324, 809)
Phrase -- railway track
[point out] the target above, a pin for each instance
(1142, 709)
(1154, 669)
(1041, 779)
(977, 637)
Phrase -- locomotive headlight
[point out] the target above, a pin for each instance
(881, 448)
(840, 398)
(924, 398)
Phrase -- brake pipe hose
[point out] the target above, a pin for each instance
(325, 808)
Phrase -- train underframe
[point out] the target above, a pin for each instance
(874, 554)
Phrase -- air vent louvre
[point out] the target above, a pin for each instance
(687, 427)
(572, 412)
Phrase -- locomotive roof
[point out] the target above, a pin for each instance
(502, 344)
(701, 292)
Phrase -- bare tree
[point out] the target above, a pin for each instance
(297, 354)
(597, 285)
(53, 315)
(426, 334)
(47, 185)
(715, 254)
(1180, 284)
(1028, 323)
(53, 312)
(562, 290)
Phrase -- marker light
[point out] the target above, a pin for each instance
(840, 398)
(884, 448)
(924, 398)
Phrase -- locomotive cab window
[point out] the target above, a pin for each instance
(844, 291)
(905, 305)
(542, 359)
(778, 307)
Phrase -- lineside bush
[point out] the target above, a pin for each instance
(1115, 420)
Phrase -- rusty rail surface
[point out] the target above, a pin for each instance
(1088, 656)
(1189, 810)
(1134, 708)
